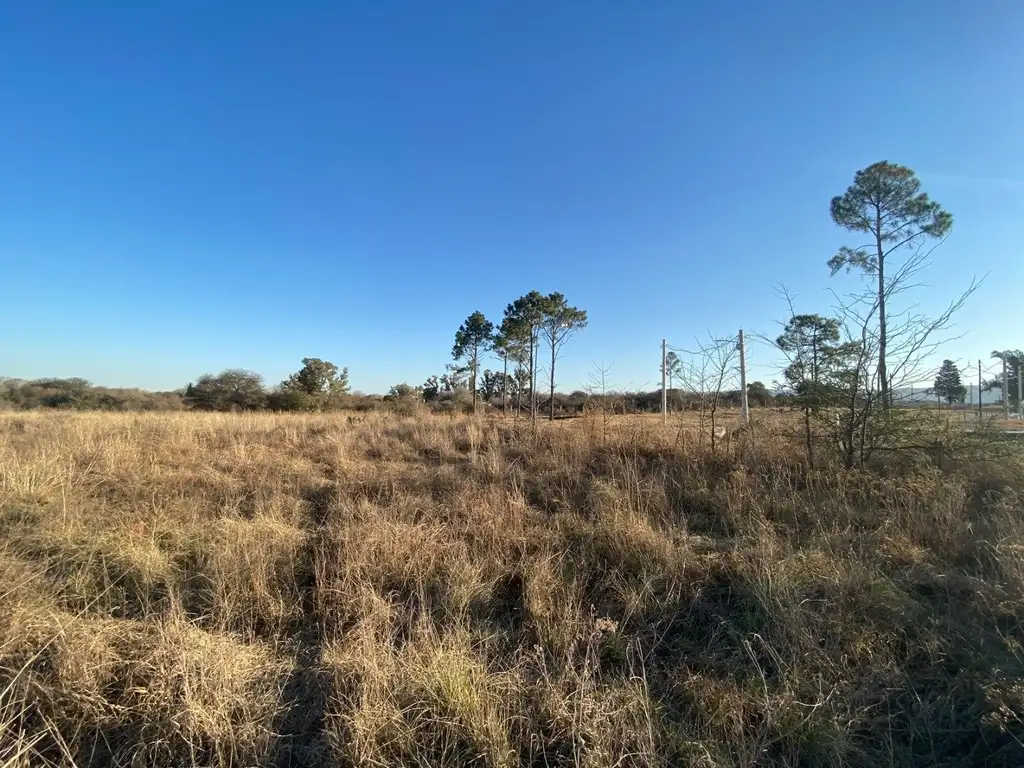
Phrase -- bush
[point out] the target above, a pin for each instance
(458, 401)
(231, 390)
(405, 399)
(290, 400)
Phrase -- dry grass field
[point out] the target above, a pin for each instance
(384, 590)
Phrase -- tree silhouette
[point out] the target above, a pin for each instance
(474, 337)
(1014, 364)
(520, 329)
(231, 390)
(948, 385)
(315, 386)
(673, 368)
(559, 321)
(817, 362)
(885, 202)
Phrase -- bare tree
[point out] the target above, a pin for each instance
(866, 423)
(600, 393)
(704, 371)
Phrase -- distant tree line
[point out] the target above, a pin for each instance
(317, 386)
(81, 395)
(840, 371)
(236, 390)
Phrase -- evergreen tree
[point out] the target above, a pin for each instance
(817, 364)
(948, 385)
(559, 321)
(885, 202)
(474, 337)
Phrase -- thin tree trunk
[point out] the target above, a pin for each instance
(536, 376)
(851, 433)
(863, 439)
(814, 357)
(504, 386)
(530, 374)
(714, 441)
(810, 443)
(551, 403)
(882, 373)
(519, 387)
(533, 373)
(472, 380)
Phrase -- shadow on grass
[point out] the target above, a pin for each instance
(300, 738)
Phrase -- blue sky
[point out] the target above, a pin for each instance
(188, 186)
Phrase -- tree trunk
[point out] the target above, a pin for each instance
(504, 386)
(472, 380)
(537, 375)
(808, 437)
(863, 439)
(882, 373)
(851, 433)
(551, 402)
(814, 358)
(534, 358)
(714, 407)
(519, 386)
(850, 428)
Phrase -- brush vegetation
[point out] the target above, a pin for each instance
(423, 590)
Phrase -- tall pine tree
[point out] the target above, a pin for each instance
(886, 204)
(948, 385)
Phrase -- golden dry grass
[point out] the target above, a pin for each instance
(379, 590)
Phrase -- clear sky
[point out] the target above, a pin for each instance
(187, 186)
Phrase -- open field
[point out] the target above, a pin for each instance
(377, 590)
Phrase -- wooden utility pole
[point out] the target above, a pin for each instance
(1020, 399)
(1006, 392)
